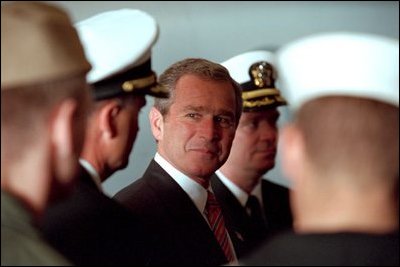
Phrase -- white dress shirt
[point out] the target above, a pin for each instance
(241, 195)
(93, 173)
(196, 192)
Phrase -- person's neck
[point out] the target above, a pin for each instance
(32, 189)
(367, 212)
(204, 181)
(245, 179)
(95, 161)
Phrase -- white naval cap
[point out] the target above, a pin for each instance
(118, 44)
(255, 73)
(340, 63)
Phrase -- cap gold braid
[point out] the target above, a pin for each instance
(271, 96)
(141, 83)
(258, 93)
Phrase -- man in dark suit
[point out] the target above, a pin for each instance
(252, 206)
(194, 130)
(89, 227)
(341, 152)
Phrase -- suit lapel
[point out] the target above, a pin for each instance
(187, 223)
(276, 206)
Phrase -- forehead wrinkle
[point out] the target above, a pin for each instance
(208, 110)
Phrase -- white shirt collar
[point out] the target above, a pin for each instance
(196, 192)
(93, 173)
(240, 194)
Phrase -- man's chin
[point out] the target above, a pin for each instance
(121, 165)
(267, 167)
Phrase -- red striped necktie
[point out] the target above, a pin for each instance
(217, 224)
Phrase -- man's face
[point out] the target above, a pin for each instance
(255, 144)
(127, 128)
(197, 132)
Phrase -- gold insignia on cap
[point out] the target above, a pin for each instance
(262, 92)
(262, 74)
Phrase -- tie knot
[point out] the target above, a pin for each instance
(204, 183)
(253, 205)
(257, 219)
(211, 200)
(252, 200)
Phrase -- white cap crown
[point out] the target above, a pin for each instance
(117, 40)
(238, 66)
(342, 63)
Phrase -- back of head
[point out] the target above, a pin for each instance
(344, 89)
(42, 62)
(202, 68)
(352, 137)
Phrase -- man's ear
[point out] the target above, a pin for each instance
(156, 123)
(62, 140)
(107, 118)
(293, 152)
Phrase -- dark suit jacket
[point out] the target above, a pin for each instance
(335, 249)
(244, 236)
(90, 228)
(183, 235)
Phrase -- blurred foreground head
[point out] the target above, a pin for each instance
(44, 97)
(344, 89)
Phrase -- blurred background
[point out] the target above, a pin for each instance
(218, 30)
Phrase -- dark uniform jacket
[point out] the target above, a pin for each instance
(183, 235)
(92, 229)
(338, 249)
(245, 236)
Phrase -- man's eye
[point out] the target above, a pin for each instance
(224, 121)
(251, 125)
(193, 115)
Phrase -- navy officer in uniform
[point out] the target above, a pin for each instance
(90, 228)
(253, 206)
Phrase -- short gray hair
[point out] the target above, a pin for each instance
(202, 68)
